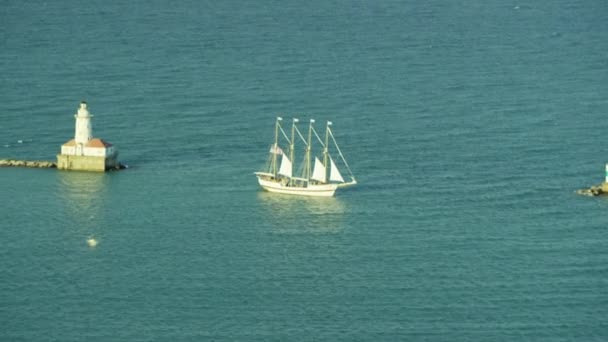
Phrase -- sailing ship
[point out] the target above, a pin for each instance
(316, 177)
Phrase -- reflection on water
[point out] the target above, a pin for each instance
(83, 194)
(298, 214)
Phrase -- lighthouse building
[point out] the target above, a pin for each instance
(85, 152)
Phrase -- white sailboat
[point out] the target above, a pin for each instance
(322, 178)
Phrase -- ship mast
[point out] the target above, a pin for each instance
(276, 146)
(292, 142)
(326, 149)
(308, 148)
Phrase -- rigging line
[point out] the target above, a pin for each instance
(301, 137)
(283, 132)
(318, 138)
(340, 152)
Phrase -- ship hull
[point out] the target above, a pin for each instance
(321, 190)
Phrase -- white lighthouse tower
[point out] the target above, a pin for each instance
(85, 152)
(84, 132)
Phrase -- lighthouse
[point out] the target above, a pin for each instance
(85, 152)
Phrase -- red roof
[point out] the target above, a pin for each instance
(95, 143)
(70, 143)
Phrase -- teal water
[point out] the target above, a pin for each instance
(468, 125)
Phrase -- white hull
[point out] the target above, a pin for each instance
(321, 190)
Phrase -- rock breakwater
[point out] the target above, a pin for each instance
(27, 163)
(595, 190)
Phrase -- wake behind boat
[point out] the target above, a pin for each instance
(322, 179)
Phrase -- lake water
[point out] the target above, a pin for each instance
(468, 125)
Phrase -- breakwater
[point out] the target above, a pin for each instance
(595, 190)
(27, 163)
(43, 164)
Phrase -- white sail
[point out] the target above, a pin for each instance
(276, 149)
(334, 174)
(285, 169)
(318, 172)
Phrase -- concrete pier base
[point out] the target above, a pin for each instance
(86, 163)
